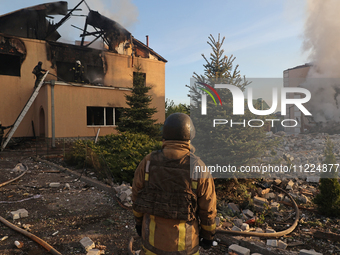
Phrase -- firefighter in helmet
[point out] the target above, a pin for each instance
(78, 72)
(38, 71)
(174, 208)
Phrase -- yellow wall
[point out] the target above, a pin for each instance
(71, 101)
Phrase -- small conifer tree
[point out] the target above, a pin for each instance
(236, 145)
(138, 117)
(328, 199)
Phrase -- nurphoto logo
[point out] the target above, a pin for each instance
(239, 102)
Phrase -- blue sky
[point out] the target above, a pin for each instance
(265, 36)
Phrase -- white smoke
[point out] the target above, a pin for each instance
(122, 11)
(322, 41)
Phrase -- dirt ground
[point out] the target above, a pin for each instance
(62, 216)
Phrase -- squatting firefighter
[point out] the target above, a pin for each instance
(39, 73)
(174, 209)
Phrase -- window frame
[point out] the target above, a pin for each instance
(104, 116)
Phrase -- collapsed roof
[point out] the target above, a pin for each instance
(32, 23)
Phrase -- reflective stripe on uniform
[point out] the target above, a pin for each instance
(152, 228)
(137, 214)
(194, 184)
(147, 166)
(209, 228)
(181, 235)
(147, 170)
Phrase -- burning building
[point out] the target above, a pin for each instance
(321, 78)
(67, 106)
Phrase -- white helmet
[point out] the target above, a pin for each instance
(78, 62)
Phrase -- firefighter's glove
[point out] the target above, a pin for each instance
(206, 244)
(139, 229)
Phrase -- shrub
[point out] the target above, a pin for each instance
(328, 199)
(119, 154)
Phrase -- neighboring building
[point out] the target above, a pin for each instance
(294, 77)
(80, 109)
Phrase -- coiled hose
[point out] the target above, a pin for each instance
(268, 235)
(239, 233)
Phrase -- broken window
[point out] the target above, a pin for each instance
(10, 65)
(65, 57)
(103, 116)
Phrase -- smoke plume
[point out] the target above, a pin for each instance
(322, 41)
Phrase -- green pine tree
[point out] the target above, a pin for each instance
(138, 117)
(171, 107)
(223, 144)
(328, 199)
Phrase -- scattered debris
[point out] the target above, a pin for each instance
(272, 242)
(260, 200)
(94, 252)
(22, 200)
(238, 249)
(327, 235)
(233, 207)
(4, 238)
(19, 244)
(21, 213)
(54, 184)
(248, 213)
(55, 233)
(282, 245)
(124, 193)
(27, 227)
(236, 228)
(309, 252)
(87, 243)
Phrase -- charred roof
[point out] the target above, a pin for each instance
(32, 22)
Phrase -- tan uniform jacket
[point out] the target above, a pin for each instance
(170, 236)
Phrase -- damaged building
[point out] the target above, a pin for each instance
(69, 107)
(294, 77)
(324, 104)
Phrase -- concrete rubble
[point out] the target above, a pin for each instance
(303, 149)
(309, 252)
(87, 243)
(124, 193)
(299, 149)
(272, 242)
(54, 184)
(238, 249)
(282, 245)
(21, 213)
(91, 248)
